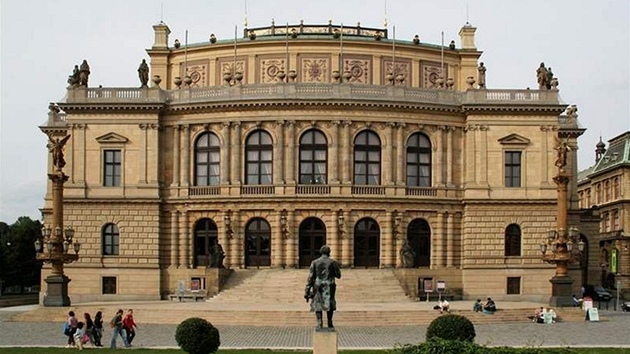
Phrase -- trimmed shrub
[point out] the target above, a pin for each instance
(452, 327)
(197, 336)
(441, 346)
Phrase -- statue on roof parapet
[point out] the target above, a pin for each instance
(143, 73)
(541, 76)
(481, 79)
(73, 80)
(84, 73)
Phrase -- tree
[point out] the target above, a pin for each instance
(18, 263)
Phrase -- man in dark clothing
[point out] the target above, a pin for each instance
(321, 286)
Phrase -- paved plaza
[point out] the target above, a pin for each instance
(613, 332)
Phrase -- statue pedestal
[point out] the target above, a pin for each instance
(561, 287)
(325, 341)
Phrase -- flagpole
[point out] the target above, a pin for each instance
(394, 51)
(341, 52)
(287, 48)
(442, 57)
(234, 61)
(186, 55)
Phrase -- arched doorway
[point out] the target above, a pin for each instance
(367, 240)
(312, 237)
(205, 239)
(419, 238)
(258, 243)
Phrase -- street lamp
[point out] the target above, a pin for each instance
(559, 247)
(58, 240)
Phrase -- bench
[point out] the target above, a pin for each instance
(188, 294)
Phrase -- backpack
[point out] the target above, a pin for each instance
(112, 323)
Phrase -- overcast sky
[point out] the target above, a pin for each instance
(585, 42)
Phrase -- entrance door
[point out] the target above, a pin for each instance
(312, 238)
(258, 243)
(205, 239)
(367, 242)
(419, 238)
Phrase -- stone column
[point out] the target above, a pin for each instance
(388, 156)
(184, 242)
(400, 155)
(152, 153)
(439, 155)
(450, 240)
(333, 160)
(186, 163)
(437, 253)
(346, 158)
(277, 241)
(291, 241)
(449, 156)
(470, 164)
(346, 244)
(334, 240)
(176, 156)
(236, 154)
(225, 154)
(483, 156)
(290, 158)
(174, 238)
(278, 159)
(387, 249)
(142, 161)
(78, 161)
(239, 239)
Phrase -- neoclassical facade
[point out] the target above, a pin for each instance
(292, 137)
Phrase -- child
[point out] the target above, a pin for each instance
(78, 335)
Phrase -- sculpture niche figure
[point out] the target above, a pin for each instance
(55, 146)
(143, 73)
(562, 148)
(321, 287)
(407, 255)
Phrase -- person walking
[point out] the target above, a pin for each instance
(130, 326)
(72, 328)
(89, 327)
(117, 329)
(98, 329)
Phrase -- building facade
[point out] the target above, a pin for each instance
(292, 137)
(603, 188)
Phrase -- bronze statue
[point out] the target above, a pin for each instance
(143, 73)
(321, 287)
(549, 78)
(407, 255)
(217, 255)
(84, 73)
(73, 80)
(541, 76)
(55, 146)
(481, 80)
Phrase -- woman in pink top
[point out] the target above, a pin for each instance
(72, 323)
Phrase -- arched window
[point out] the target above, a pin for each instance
(313, 157)
(110, 240)
(418, 161)
(512, 240)
(616, 188)
(607, 191)
(367, 159)
(259, 158)
(207, 154)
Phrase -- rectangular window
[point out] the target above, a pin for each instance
(513, 285)
(615, 217)
(109, 285)
(512, 168)
(112, 167)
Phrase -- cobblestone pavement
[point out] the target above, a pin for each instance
(610, 333)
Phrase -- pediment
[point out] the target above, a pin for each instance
(514, 139)
(112, 138)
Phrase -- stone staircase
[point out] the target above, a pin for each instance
(274, 297)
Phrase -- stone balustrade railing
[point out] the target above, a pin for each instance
(306, 91)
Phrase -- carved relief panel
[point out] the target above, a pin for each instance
(402, 66)
(198, 72)
(226, 66)
(360, 68)
(268, 68)
(314, 69)
(430, 72)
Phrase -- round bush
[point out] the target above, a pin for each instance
(452, 327)
(197, 336)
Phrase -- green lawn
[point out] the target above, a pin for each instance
(264, 351)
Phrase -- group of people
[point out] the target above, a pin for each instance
(489, 307)
(544, 315)
(91, 330)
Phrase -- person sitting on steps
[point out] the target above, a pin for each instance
(477, 306)
(489, 307)
(444, 306)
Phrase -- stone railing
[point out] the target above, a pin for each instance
(312, 189)
(421, 192)
(259, 190)
(306, 91)
(368, 190)
(204, 190)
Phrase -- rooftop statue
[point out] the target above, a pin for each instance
(321, 287)
(143, 73)
(481, 80)
(541, 76)
(73, 80)
(84, 73)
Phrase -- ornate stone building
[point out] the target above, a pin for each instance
(603, 188)
(291, 137)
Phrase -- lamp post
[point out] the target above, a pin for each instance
(562, 245)
(57, 240)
